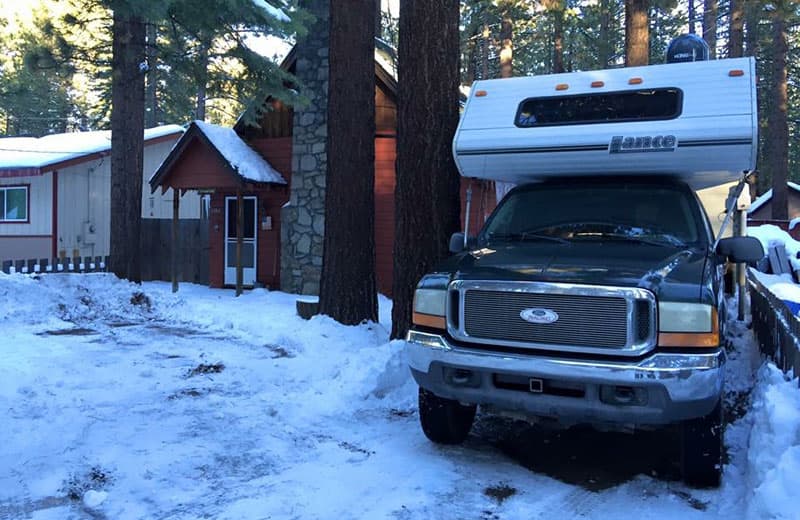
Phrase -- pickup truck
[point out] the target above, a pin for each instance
(593, 294)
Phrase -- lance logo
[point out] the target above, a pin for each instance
(643, 144)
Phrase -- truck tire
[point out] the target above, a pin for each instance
(702, 449)
(444, 421)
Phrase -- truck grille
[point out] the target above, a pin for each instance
(590, 319)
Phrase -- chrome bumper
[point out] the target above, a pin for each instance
(679, 386)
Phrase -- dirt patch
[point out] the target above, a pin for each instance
(694, 502)
(352, 448)
(396, 412)
(500, 492)
(77, 331)
(188, 392)
(78, 484)
(181, 332)
(140, 299)
(279, 352)
(203, 369)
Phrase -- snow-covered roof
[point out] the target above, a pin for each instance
(243, 159)
(34, 154)
(767, 195)
(272, 11)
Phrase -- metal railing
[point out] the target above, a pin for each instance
(77, 264)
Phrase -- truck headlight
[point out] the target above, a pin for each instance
(687, 325)
(430, 302)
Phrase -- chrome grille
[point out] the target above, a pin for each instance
(592, 319)
(585, 321)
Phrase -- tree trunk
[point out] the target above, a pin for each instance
(427, 206)
(506, 51)
(378, 20)
(604, 43)
(127, 143)
(202, 82)
(151, 80)
(736, 31)
(692, 16)
(778, 124)
(710, 27)
(752, 13)
(558, 39)
(637, 33)
(348, 289)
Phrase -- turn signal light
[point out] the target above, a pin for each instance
(735, 73)
(597, 84)
(481, 93)
(635, 81)
(562, 86)
(428, 320)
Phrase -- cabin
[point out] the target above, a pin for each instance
(55, 193)
(760, 211)
(282, 191)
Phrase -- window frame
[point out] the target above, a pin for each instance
(4, 188)
(677, 114)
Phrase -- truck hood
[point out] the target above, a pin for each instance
(670, 272)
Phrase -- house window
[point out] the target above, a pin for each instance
(13, 203)
(611, 107)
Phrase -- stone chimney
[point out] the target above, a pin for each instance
(303, 218)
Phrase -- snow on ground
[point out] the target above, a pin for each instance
(119, 401)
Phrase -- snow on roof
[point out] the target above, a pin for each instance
(32, 152)
(764, 197)
(272, 11)
(246, 161)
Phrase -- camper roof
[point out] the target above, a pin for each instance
(694, 120)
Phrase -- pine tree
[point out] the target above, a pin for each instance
(348, 287)
(427, 204)
(636, 33)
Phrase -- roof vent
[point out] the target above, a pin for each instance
(687, 47)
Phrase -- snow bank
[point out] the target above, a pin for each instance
(774, 447)
(770, 235)
(781, 285)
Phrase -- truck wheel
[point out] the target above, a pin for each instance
(444, 421)
(702, 449)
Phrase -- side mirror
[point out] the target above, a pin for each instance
(457, 242)
(741, 250)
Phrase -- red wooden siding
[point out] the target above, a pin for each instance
(269, 202)
(385, 156)
(200, 167)
(484, 200)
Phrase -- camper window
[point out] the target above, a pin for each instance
(610, 107)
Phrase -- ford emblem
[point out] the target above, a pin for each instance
(538, 315)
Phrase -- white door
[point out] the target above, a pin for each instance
(248, 243)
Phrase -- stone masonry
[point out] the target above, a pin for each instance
(303, 217)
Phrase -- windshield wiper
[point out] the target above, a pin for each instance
(665, 240)
(525, 236)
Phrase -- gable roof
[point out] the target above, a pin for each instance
(24, 156)
(767, 195)
(239, 158)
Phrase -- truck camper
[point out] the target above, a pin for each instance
(694, 120)
(593, 293)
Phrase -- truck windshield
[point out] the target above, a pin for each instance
(645, 213)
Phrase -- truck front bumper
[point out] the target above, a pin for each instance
(660, 389)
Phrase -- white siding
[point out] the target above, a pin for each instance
(155, 205)
(40, 189)
(84, 192)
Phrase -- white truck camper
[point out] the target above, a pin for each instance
(593, 294)
(696, 120)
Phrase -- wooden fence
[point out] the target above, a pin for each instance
(156, 246)
(777, 329)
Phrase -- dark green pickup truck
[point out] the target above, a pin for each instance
(586, 300)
